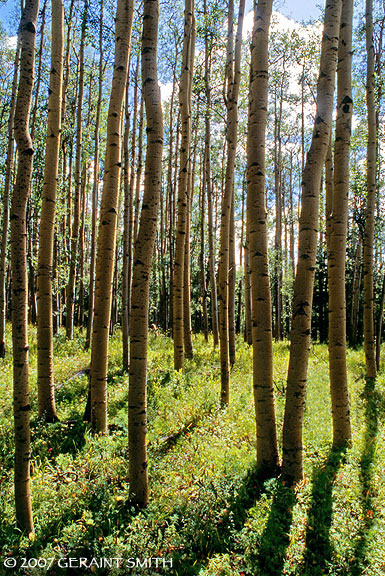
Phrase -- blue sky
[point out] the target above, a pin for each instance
(299, 9)
(296, 9)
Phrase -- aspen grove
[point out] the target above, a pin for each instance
(192, 287)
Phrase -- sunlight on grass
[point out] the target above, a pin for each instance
(207, 511)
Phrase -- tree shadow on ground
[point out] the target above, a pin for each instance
(276, 536)
(267, 556)
(318, 548)
(211, 524)
(374, 402)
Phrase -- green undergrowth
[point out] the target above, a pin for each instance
(208, 512)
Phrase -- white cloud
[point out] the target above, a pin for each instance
(12, 41)
(165, 91)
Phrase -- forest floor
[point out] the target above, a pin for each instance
(207, 514)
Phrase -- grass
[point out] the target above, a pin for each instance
(208, 513)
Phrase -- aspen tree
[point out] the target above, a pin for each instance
(38, 70)
(21, 400)
(187, 323)
(70, 290)
(338, 230)
(183, 183)
(129, 182)
(292, 464)
(46, 394)
(202, 206)
(95, 187)
(139, 168)
(32, 228)
(379, 324)
(187, 326)
(256, 235)
(7, 187)
(144, 247)
(105, 260)
(233, 74)
(208, 181)
(127, 237)
(278, 206)
(356, 292)
(171, 195)
(369, 345)
(247, 275)
(232, 281)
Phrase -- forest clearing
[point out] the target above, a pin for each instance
(207, 511)
(192, 288)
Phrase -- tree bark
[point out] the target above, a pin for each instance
(21, 400)
(233, 72)
(144, 246)
(278, 211)
(105, 260)
(307, 248)
(46, 393)
(70, 291)
(369, 344)
(379, 324)
(256, 234)
(183, 183)
(7, 187)
(95, 187)
(232, 280)
(139, 167)
(356, 292)
(187, 325)
(338, 231)
(202, 258)
(247, 274)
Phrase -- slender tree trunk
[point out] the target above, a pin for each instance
(202, 260)
(139, 167)
(126, 228)
(247, 275)
(32, 242)
(5, 201)
(95, 187)
(105, 260)
(267, 446)
(183, 182)
(241, 252)
(46, 394)
(278, 214)
(232, 280)
(171, 199)
(135, 179)
(144, 246)
(379, 324)
(356, 292)
(83, 202)
(70, 291)
(69, 208)
(21, 401)
(209, 190)
(39, 69)
(307, 249)
(337, 243)
(129, 183)
(369, 344)
(233, 72)
(291, 237)
(187, 326)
